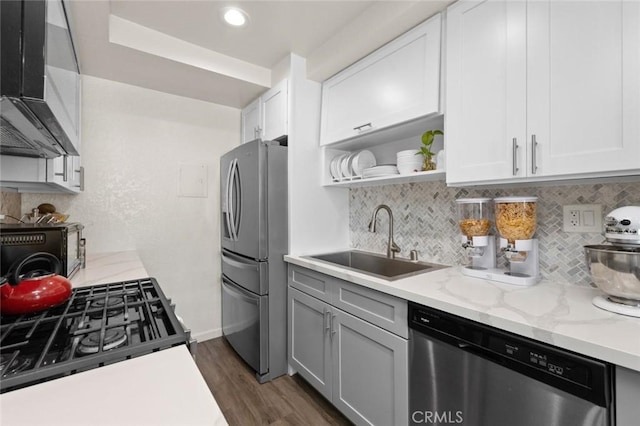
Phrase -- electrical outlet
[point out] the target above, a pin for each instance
(574, 218)
(582, 218)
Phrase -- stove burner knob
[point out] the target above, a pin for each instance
(625, 222)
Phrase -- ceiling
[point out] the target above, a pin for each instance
(183, 47)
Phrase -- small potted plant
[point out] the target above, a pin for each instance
(425, 149)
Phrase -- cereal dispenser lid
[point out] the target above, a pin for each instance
(516, 200)
(472, 200)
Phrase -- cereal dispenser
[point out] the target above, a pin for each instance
(475, 220)
(516, 224)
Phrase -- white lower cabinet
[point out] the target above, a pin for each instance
(358, 366)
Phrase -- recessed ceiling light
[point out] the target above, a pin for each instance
(234, 16)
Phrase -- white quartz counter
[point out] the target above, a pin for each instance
(162, 388)
(103, 268)
(555, 313)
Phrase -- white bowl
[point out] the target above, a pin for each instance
(408, 168)
(407, 153)
(410, 165)
(409, 160)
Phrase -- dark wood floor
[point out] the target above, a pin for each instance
(243, 401)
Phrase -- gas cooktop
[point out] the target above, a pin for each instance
(96, 326)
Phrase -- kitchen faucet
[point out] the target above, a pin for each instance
(392, 247)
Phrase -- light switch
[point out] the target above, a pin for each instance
(192, 180)
(588, 218)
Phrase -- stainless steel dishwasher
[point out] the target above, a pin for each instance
(464, 372)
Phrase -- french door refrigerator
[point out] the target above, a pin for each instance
(253, 192)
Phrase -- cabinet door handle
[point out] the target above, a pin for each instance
(81, 171)
(64, 174)
(534, 162)
(515, 156)
(333, 328)
(363, 128)
(327, 321)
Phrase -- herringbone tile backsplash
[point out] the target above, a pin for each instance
(425, 220)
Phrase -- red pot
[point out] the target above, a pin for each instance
(37, 290)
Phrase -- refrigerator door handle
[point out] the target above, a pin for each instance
(230, 193)
(227, 197)
(237, 185)
(229, 260)
(239, 293)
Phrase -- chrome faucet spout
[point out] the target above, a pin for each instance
(392, 247)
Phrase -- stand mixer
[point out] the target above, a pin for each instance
(615, 265)
(516, 223)
(474, 219)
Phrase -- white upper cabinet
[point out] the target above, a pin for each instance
(485, 86)
(266, 117)
(61, 174)
(396, 83)
(583, 86)
(274, 112)
(251, 116)
(542, 90)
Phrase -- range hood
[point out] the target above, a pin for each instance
(39, 80)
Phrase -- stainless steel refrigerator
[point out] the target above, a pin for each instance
(253, 191)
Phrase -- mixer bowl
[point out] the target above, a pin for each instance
(616, 271)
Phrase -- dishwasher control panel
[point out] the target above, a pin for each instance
(544, 360)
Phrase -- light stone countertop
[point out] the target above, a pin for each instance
(554, 313)
(111, 267)
(161, 388)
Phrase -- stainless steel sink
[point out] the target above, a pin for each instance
(377, 265)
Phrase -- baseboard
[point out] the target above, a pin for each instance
(207, 335)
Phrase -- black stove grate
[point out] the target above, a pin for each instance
(96, 326)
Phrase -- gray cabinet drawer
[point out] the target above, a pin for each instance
(385, 311)
(311, 282)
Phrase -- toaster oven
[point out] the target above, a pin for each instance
(63, 240)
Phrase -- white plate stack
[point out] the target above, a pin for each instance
(380, 171)
(409, 161)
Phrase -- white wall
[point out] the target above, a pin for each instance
(318, 216)
(134, 141)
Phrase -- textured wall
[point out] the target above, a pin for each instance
(134, 141)
(10, 205)
(425, 219)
